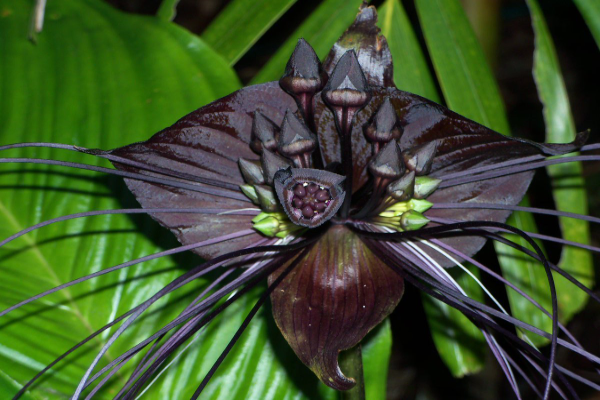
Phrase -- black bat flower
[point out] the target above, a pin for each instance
(336, 188)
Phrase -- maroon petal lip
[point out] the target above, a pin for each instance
(338, 292)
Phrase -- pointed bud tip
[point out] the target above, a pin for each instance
(347, 86)
(403, 188)
(388, 162)
(295, 137)
(251, 171)
(385, 125)
(264, 133)
(413, 220)
(271, 163)
(425, 186)
(420, 159)
(303, 72)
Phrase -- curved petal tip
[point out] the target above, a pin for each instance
(327, 368)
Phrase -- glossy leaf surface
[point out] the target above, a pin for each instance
(321, 29)
(411, 72)
(241, 24)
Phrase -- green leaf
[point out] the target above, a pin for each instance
(167, 10)
(590, 10)
(101, 78)
(241, 24)
(376, 353)
(465, 78)
(470, 89)
(568, 185)
(9, 385)
(321, 29)
(411, 72)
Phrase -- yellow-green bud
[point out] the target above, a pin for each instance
(274, 224)
(413, 220)
(250, 193)
(424, 186)
(401, 207)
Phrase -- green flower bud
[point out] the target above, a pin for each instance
(250, 193)
(424, 186)
(274, 224)
(413, 220)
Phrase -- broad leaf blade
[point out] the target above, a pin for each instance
(569, 187)
(470, 89)
(321, 29)
(86, 82)
(241, 24)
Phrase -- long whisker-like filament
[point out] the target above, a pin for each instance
(211, 300)
(247, 320)
(131, 175)
(518, 161)
(496, 173)
(438, 273)
(507, 283)
(250, 280)
(218, 211)
(492, 235)
(121, 160)
(533, 210)
(147, 360)
(164, 253)
(474, 224)
(469, 312)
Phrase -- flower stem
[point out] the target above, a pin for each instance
(351, 364)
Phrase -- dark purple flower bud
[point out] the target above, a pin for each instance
(303, 72)
(271, 163)
(388, 162)
(384, 127)
(420, 159)
(347, 86)
(264, 133)
(309, 197)
(403, 188)
(295, 138)
(251, 171)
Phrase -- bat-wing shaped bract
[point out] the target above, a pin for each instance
(206, 144)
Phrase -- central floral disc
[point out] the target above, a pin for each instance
(309, 197)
